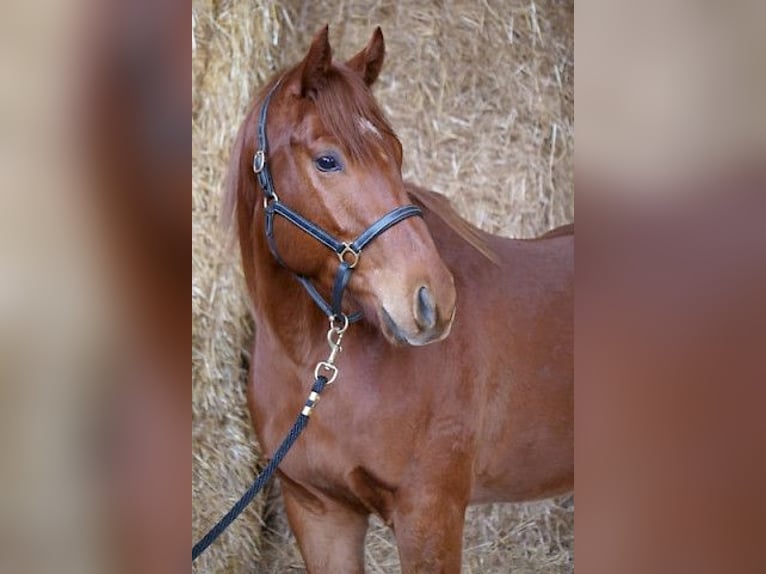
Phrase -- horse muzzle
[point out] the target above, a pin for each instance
(428, 319)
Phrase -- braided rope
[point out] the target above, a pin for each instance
(266, 474)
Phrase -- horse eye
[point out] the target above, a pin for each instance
(327, 163)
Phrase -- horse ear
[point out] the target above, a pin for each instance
(369, 61)
(316, 63)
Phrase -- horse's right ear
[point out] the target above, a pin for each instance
(316, 64)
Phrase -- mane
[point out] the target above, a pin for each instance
(561, 231)
(239, 200)
(440, 206)
(232, 194)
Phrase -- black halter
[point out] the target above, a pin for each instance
(348, 252)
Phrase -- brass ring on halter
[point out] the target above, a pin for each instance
(348, 250)
(259, 161)
(328, 367)
(268, 199)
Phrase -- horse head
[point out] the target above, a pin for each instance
(335, 160)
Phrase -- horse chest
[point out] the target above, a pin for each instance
(351, 427)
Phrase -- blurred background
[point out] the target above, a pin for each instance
(93, 278)
(481, 95)
(671, 275)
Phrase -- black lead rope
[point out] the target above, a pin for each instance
(348, 254)
(265, 476)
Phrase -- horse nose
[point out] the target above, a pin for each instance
(425, 309)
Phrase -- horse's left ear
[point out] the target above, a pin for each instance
(369, 61)
(316, 64)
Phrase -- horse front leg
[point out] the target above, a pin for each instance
(428, 524)
(330, 535)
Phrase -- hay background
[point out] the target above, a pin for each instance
(481, 95)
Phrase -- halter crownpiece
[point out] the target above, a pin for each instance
(348, 252)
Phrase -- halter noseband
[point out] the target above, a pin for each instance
(348, 252)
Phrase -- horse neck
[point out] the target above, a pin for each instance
(285, 316)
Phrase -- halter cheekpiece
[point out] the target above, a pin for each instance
(348, 253)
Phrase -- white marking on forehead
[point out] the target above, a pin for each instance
(366, 126)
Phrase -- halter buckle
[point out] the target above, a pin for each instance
(348, 250)
(259, 161)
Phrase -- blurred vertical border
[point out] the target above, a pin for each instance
(94, 267)
(671, 275)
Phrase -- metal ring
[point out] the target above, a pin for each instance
(259, 161)
(347, 249)
(268, 199)
(327, 367)
(339, 317)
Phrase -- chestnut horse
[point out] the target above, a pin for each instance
(455, 388)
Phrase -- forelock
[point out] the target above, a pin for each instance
(348, 110)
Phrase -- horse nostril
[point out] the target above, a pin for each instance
(425, 309)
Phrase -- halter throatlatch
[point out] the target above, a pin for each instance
(348, 252)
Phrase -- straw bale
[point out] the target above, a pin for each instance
(228, 38)
(481, 94)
